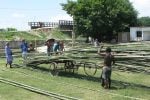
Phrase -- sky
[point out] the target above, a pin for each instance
(17, 13)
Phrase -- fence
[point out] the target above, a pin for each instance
(16, 44)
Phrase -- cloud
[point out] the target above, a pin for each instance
(142, 6)
(61, 17)
(18, 15)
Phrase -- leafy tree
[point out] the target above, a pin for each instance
(144, 21)
(2, 30)
(101, 19)
(11, 29)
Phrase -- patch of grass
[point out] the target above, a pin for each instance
(57, 34)
(17, 35)
(79, 85)
(8, 92)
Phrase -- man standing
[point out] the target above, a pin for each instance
(61, 46)
(107, 69)
(56, 47)
(49, 43)
(8, 53)
(24, 49)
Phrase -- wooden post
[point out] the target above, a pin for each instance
(73, 38)
(35, 44)
(73, 34)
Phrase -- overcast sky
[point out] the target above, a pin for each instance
(142, 6)
(17, 13)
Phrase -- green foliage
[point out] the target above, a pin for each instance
(57, 34)
(124, 83)
(11, 29)
(101, 18)
(2, 30)
(144, 21)
(17, 35)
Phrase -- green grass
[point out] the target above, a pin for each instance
(79, 85)
(57, 34)
(18, 35)
(8, 92)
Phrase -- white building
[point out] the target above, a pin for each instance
(139, 33)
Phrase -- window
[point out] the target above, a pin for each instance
(139, 33)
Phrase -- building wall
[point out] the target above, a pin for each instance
(123, 37)
(145, 33)
(133, 31)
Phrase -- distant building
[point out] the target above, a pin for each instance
(135, 34)
(36, 25)
(123, 36)
(64, 25)
(139, 33)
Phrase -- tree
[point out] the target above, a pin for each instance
(144, 21)
(2, 30)
(11, 29)
(101, 18)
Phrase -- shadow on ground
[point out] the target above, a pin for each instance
(116, 84)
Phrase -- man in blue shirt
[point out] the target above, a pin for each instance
(8, 53)
(24, 49)
(56, 47)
